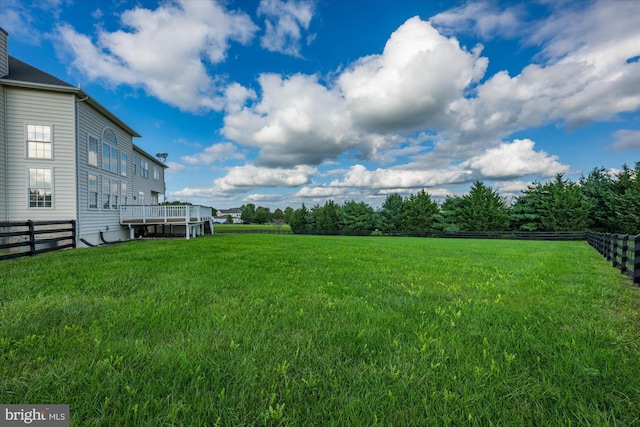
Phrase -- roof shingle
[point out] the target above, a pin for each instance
(23, 72)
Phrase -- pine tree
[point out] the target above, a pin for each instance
(483, 209)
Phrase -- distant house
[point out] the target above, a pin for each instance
(223, 215)
(64, 156)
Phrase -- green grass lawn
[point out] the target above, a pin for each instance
(316, 330)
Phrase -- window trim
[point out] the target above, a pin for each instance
(98, 146)
(124, 160)
(97, 192)
(124, 199)
(144, 172)
(27, 140)
(112, 145)
(106, 184)
(28, 188)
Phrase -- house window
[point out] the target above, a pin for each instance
(106, 193)
(114, 194)
(123, 164)
(156, 173)
(109, 151)
(123, 193)
(92, 150)
(39, 141)
(40, 188)
(144, 168)
(134, 163)
(93, 192)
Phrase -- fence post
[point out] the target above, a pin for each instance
(73, 233)
(625, 257)
(32, 238)
(636, 260)
(614, 250)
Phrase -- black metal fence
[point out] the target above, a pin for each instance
(623, 250)
(26, 238)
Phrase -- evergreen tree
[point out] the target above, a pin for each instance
(326, 217)
(483, 209)
(625, 202)
(564, 207)
(356, 216)
(524, 215)
(447, 217)
(298, 221)
(391, 213)
(597, 188)
(418, 212)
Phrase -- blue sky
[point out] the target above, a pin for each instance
(279, 103)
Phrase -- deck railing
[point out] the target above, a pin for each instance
(154, 214)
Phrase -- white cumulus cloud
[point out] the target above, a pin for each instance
(285, 21)
(515, 159)
(245, 178)
(215, 153)
(297, 121)
(164, 50)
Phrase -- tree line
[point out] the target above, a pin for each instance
(598, 202)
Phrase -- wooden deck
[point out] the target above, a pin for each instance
(193, 217)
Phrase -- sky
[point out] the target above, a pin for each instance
(283, 102)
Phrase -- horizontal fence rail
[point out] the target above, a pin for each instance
(516, 235)
(18, 239)
(623, 250)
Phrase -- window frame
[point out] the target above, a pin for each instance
(28, 141)
(89, 151)
(96, 192)
(144, 168)
(124, 160)
(124, 199)
(106, 197)
(110, 152)
(50, 188)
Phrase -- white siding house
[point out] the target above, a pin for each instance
(64, 156)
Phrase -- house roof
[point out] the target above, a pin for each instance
(23, 72)
(24, 75)
(149, 156)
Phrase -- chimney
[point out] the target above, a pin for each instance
(4, 53)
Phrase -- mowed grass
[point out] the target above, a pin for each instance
(316, 330)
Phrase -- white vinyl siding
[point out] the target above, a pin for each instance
(144, 185)
(56, 110)
(92, 122)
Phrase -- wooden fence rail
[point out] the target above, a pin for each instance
(18, 239)
(623, 250)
